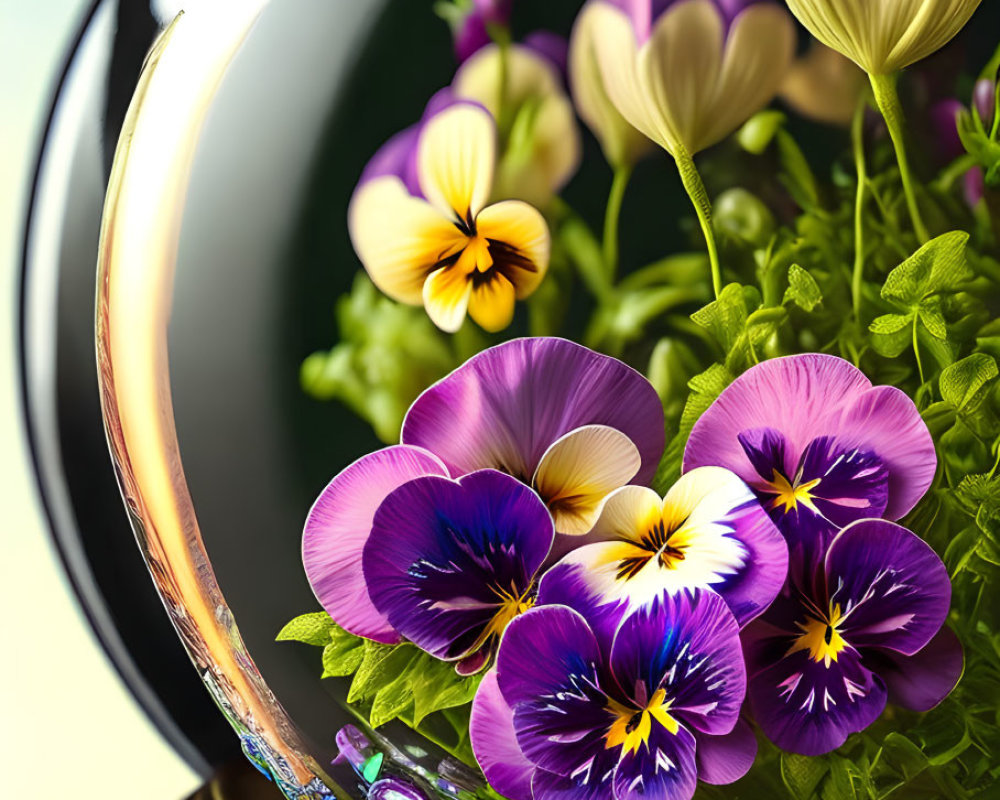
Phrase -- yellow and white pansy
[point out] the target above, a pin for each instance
(708, 533)
(622, 144)
(692, 75)
(884, 36)
(541, 140)
(422, 228)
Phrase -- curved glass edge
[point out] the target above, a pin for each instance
(136, 263)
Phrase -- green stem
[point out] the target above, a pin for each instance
(887, 100)
(857, 138)
(611, 216)
(916, 350)
(703, 208)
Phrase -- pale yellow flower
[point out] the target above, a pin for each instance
(543, 144)
(883, 36)
(622, 143)
(439, 244)
(690, 83)
(824, 85)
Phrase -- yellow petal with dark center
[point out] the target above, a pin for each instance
(628, 514)
(455, 160)
(579, 470)
(399, 238)
(523, 257)
(492, 303)
(446, 297)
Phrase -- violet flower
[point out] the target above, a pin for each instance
(864, 628)
(451, 563)
(572, 423)
(819, 444)
(709, 532)
(569, 713)
(471, 25)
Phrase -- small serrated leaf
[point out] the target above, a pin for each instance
(311, 629)
(890, 323)
(802, 774)
(802, 289)
(342, 657)
(937, 266)
(961, 383)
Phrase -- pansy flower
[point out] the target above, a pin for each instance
(687, 73)
(566, 714)
(450, 563)
(866, 627)
(819, 444)
(709, 532)
(523, 86)
(420, 223)
(569, 422)
(572, 423)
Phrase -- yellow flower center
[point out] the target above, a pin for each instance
(658, 542)
(509, 606)
(821, 637)
(632, 727)
(789, 495)
(475, 256)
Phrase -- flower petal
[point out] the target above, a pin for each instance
(892, 588)
(690, 648)
(494, 742)
(664, 766)
(399, 238)
(567, 585)
(726, 758)
(808, 707)
(579, 470)
(449, 562)
(593, 784)
(519, 243)
(548, 669)
(455, 160)
(921, 681)
(446, 295)
(505, 406)
(812, 395)
(340, 523)
(491, 303)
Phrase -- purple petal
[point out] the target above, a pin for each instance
(892, 589)
(664, 766)
(984, 100)
(812, 395)
(921, 681)
(810, 707)
(944, 126)
(505, 406)
(550, 46)
(446, 559)
(398, 157)
(494, 742)
(473, 33)
(548, 670)
(593, 784)
(690, 648)
(565, 584)
(766, 450)
(853, 483)
(974, 186)
(394, 789)
(726, 758)
(338, 526)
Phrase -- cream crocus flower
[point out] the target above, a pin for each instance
(690, 76)
(541, 140)
(884, 36)
(623, 145)
(825, 86)
(420, 223)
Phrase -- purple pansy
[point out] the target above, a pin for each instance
(471, 30)
(573, 423)
(709, 532)
(568, 715)
(450, 563)
(867, 625)
(819, 444)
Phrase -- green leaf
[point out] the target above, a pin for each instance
(725, 318)
(891, 334)
(371, 673)
(891, 323)
(394, 695)
(940, 265)
(797, 176)
(802, 774)
(904, 755)
(933, 319)
(838, 784)
(962, 382)
(311, 629)
(759, 131)
(342, 656)
(802, 289)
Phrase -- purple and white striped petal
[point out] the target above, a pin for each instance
(449, 563)
(507, 405)
(339, 525)
(812, 395)
(891, 587)
(688, 649)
